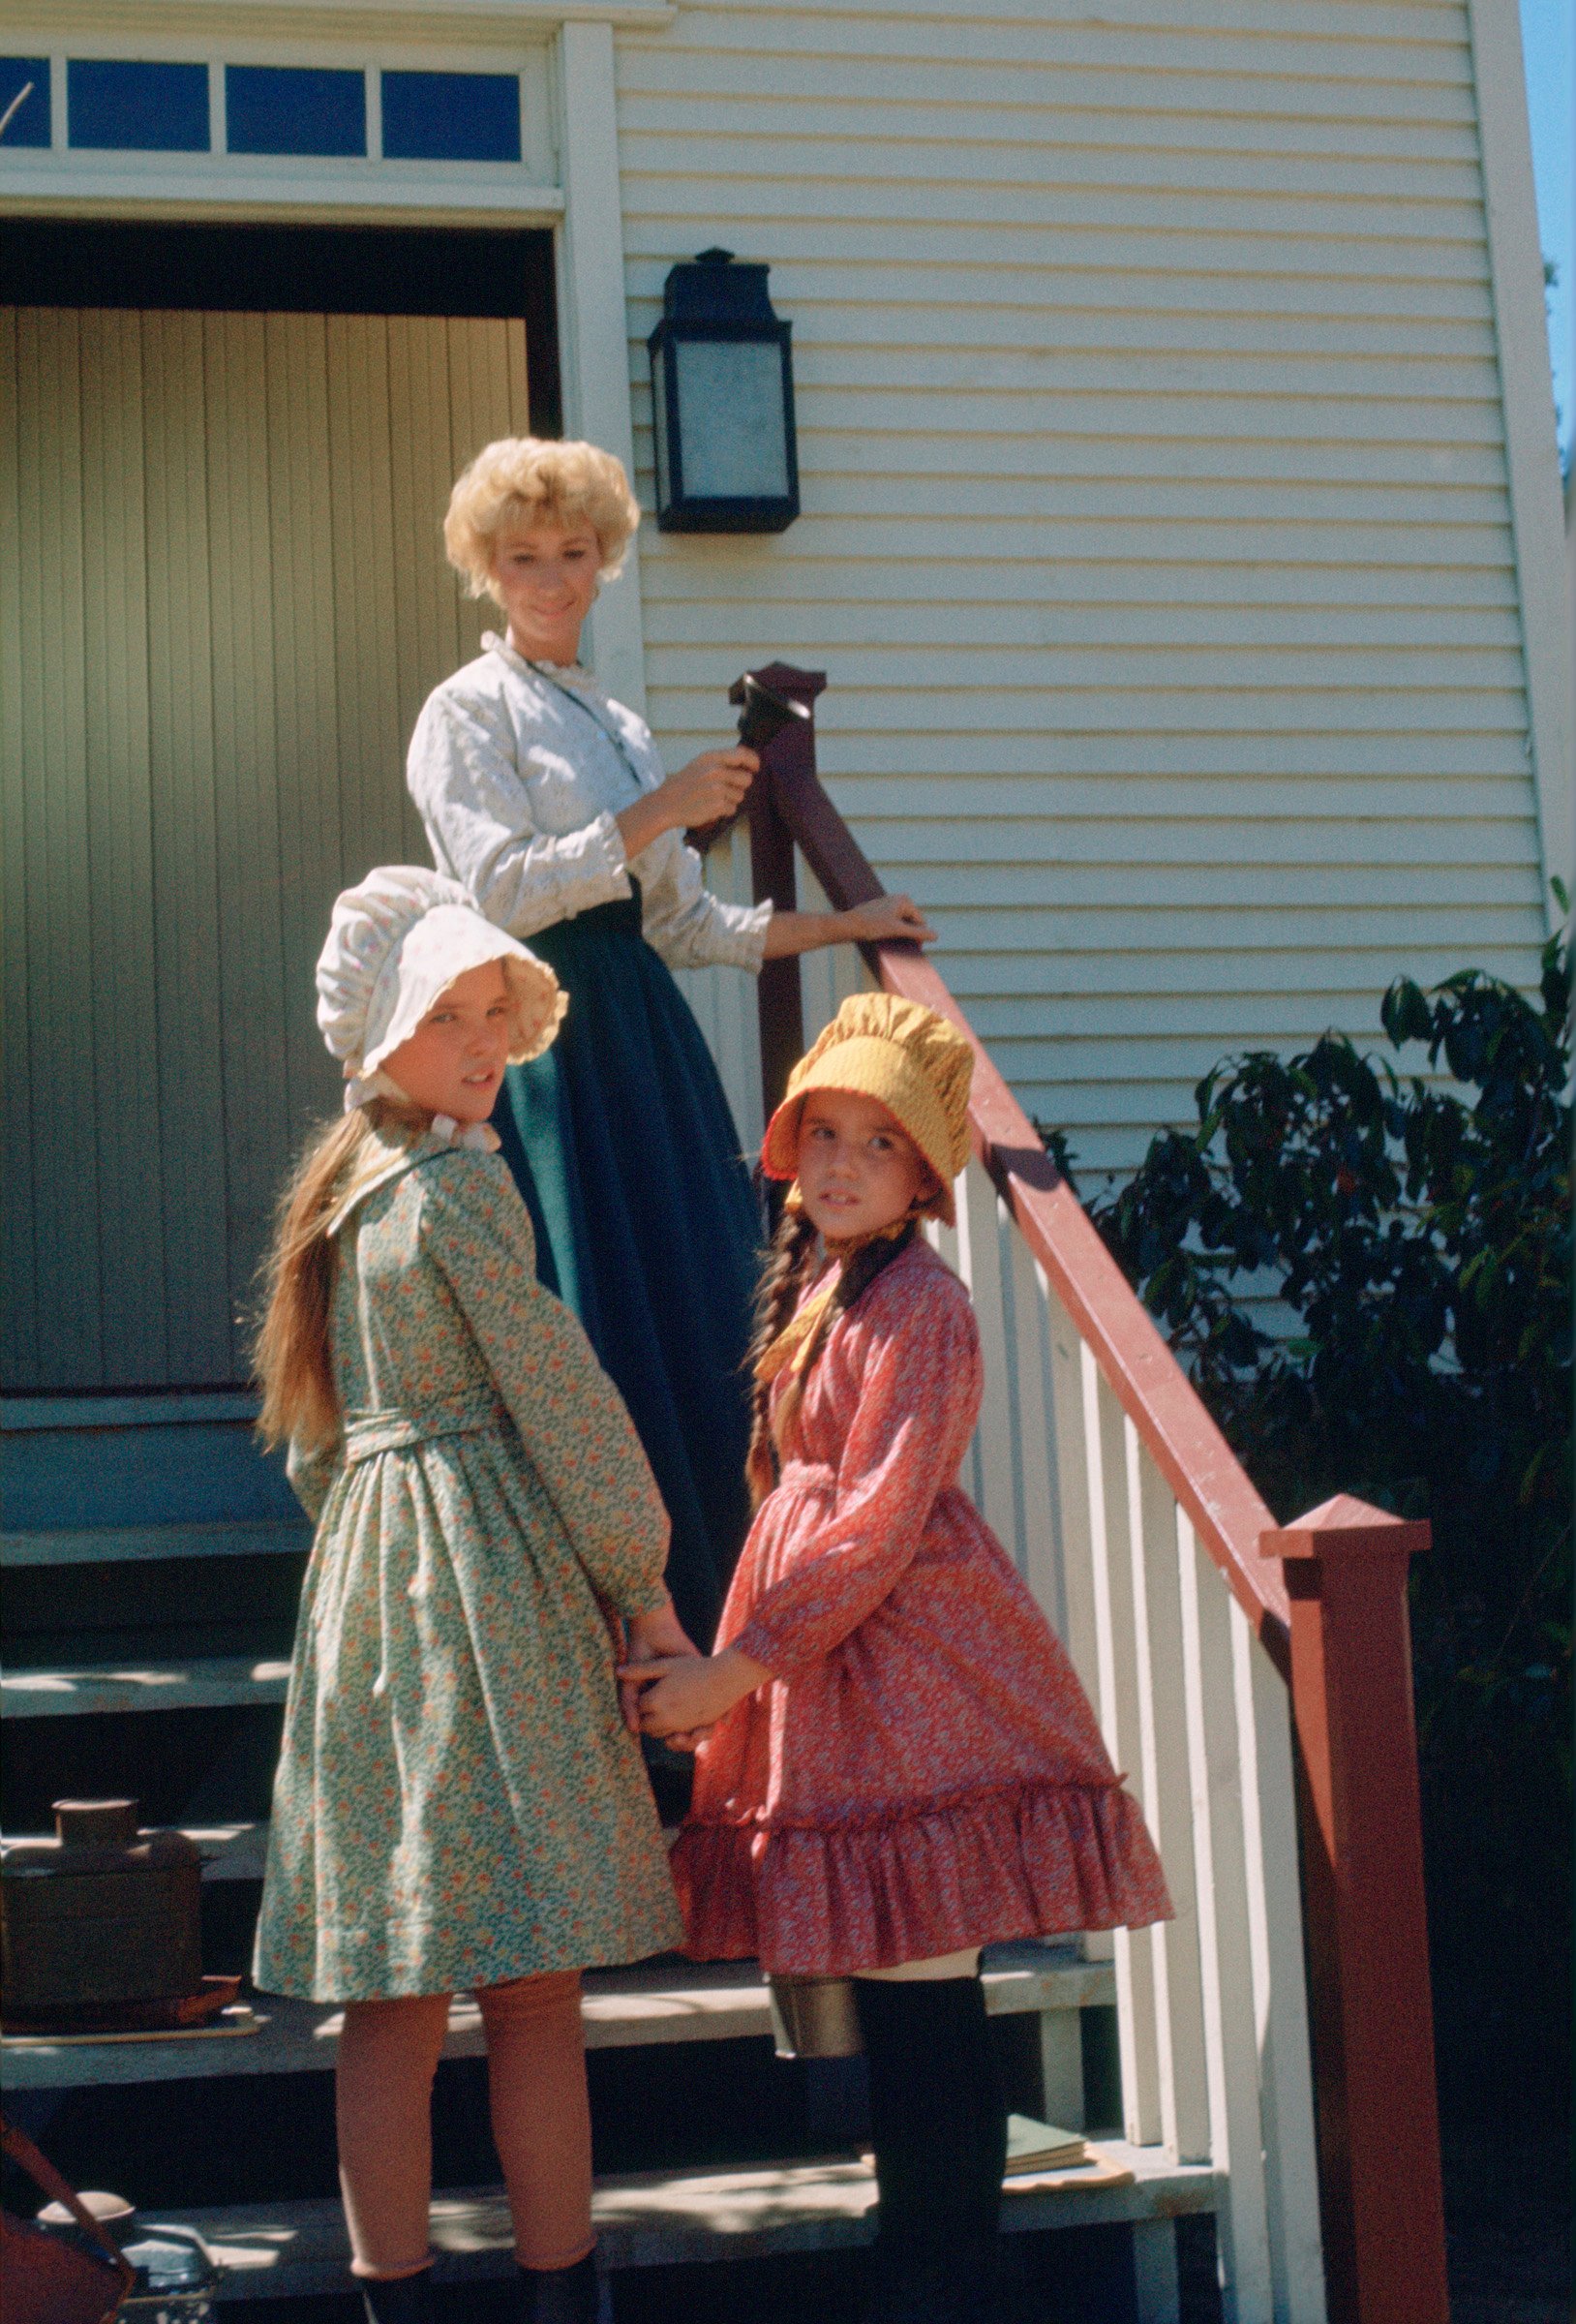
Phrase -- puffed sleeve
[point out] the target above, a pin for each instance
(462, 775)
(572, 1422)
(918, 1389)
(685, 923)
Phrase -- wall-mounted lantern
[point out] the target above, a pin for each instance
(723, 398)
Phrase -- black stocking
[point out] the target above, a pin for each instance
(937, 2118)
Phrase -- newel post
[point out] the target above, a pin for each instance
(789, 754)
(1372, 2030)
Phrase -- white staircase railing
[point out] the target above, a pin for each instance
(1207, 1641)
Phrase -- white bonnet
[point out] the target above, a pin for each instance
(396, 942)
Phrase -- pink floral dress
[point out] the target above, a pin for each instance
(924, 1771)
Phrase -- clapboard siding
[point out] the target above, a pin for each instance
(1156, 539)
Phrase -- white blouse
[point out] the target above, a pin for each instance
(518, 770)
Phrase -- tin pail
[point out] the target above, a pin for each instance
(815, 2017)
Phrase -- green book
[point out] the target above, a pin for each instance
(1033, 2146)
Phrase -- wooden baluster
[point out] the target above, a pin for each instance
(1064, 1356)
(818, 984)
(1042, 1551)
(723, 1001)
(979, 1263)
(1275, 1934)
(1345, 1571)
(1118, 1705)
(1215, 1774)
(1159, 1686)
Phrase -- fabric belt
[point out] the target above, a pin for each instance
(368, 1433)
(808, 1477)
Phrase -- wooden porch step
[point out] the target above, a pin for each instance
(661, 2219)
(623, 2008)
(230, 1852)
(197, 1682)
(107, 1544)
(25, 1415)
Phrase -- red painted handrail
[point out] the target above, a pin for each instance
(1339, 1634)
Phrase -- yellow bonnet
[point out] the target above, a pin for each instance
(906, 1058)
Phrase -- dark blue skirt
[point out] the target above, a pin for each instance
(646, 1225)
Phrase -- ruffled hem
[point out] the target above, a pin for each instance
(831, 1900)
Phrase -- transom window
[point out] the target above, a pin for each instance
(375, 113)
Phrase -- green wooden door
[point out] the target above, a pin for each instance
(222, 597)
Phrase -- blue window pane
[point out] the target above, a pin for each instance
(29, 124)
(141, 108)
(451, 116)
(292, 109)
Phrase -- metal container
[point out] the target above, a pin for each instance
(176, 2275)
(815, 2017)
(101, 1915)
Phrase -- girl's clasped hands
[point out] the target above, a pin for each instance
(679, 1698)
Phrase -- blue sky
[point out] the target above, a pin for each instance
(1549, 41)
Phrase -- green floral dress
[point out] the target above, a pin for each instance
(458, 1800)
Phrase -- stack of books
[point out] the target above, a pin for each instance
(1033, 2146)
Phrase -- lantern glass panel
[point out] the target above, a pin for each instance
(732, 428)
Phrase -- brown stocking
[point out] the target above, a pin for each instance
(388, 2054)
(541, 2115)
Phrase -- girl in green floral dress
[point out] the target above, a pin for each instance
(460, 1801)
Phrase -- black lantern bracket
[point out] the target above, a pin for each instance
(722, 402)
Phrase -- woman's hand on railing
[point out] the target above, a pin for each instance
(884, 920)
(710, 789)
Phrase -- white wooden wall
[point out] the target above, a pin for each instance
(1155, 535)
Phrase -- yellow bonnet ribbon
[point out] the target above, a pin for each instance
(793, 1343)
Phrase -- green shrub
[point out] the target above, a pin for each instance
(1420, 1237)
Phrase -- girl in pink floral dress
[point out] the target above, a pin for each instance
(895, 1764)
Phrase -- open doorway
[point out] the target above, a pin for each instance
(224, 598)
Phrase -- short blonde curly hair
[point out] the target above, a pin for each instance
(537, 479)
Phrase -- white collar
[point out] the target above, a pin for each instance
(561, 673)
(479, 1137)
(390, 1152)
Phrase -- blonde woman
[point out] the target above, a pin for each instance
(548, 800)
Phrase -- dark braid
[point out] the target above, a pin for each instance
(791, 1264)
(870, 1260)
(790, 1258)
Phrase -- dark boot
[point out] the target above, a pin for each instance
(560, 2295)
(954, 2288)
(939, 2130)
(399, 2299)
